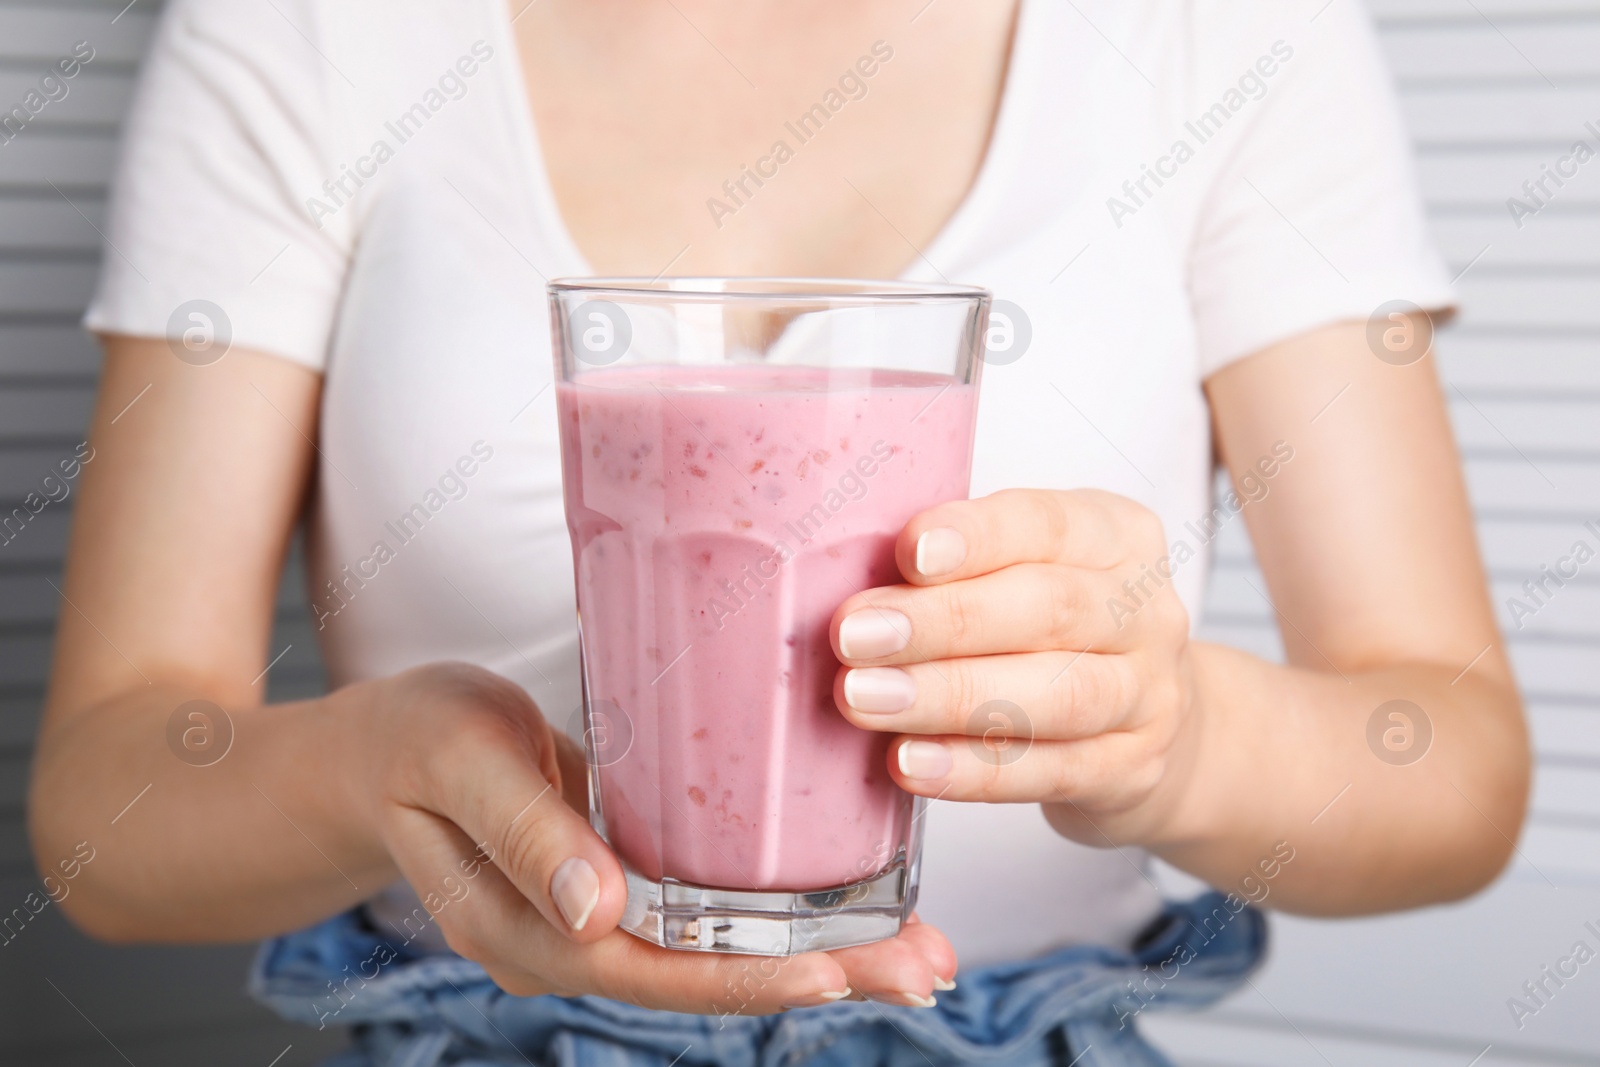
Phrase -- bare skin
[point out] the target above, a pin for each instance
(1204, 754)
(640, 127)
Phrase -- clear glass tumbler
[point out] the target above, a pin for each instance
(739, 455)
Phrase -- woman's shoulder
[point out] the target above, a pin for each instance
(313, 69)
(1171, 48)
(1226, 27)
(1211, 29)
(262, 28)
(324, 41)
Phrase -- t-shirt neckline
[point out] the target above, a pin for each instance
(946, 243)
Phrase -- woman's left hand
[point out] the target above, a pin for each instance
(1010, 676)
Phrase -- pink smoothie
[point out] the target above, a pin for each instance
(719, 516)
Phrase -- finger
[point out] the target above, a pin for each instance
(936, 949)
(895, 971)
(962, 538)
(1029, 607)
(626, 968)
(1057, 696)
(493, 788)
(1105, 772)
(492, 923)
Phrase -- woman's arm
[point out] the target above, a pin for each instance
(445, 774)
(180, 531)
(1204, 754)
(1367, 545)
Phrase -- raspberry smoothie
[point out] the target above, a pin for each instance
(719, 516)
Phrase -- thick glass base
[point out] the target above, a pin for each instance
(700, 919)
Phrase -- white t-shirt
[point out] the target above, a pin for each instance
(1229, 174)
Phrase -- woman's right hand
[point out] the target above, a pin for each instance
(463, 766)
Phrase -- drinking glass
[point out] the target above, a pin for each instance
(739, 455)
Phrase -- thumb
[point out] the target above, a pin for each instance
(508, 798)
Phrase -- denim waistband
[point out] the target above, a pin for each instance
(412, 1009)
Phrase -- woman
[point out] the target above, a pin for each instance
(340, 218)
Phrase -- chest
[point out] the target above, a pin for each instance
(802, 139)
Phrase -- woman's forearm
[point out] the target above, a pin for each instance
(1379, 816)
(271, 836)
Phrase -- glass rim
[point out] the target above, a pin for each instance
(769, 288)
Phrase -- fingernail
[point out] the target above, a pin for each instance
(872, 633)
(924, 760)
(816, 1000)
(879, 690)
(576, 890)
(940, 551)
(905, 1000)
(943, 985)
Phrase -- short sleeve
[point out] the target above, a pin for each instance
(1314, 216)
(227, 140)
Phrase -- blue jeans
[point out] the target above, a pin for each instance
(1078, 1006)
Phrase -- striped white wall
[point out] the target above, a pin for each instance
(1493, 89)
